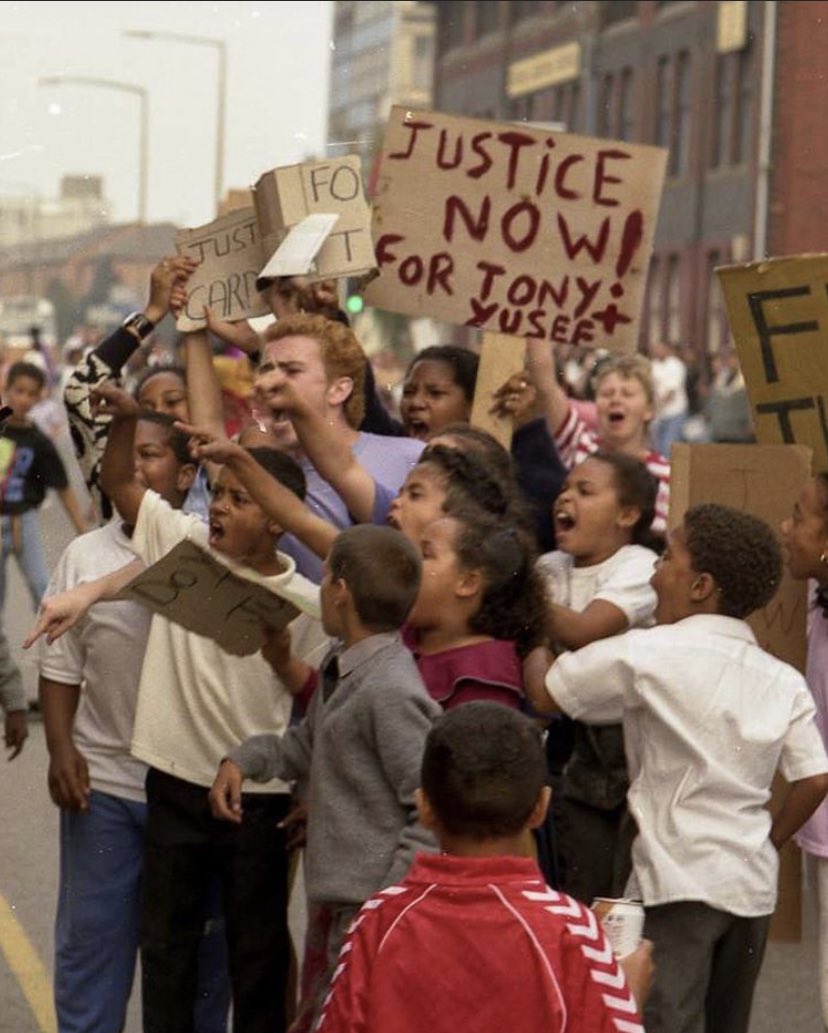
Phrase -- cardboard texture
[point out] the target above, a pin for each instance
(778, 311)
(283, 197)
(230, 254)
(764, 480)
(500, 357)
(516, 230)
(192, 588)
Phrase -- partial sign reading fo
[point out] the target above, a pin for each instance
(778, 313)
(516, 230)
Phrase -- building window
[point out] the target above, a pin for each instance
(626, 115)
(744, 98)
(674, 300)
(566, 108)
(453, 16)
(614, 11)
(681, 125)
(486, 17)
(604, 116)
(723, 135)
(664, 110)
(524, 9)
(655, 297)
(717, 333)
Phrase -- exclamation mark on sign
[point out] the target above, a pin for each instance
(630, 242)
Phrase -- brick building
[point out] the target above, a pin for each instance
(734, 89)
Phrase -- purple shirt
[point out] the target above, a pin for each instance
(813, 836)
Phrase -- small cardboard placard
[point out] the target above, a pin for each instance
(500, 357)
(230, 256)
(190, 587)
(764, 480)
(778, 311)
(285, 196)
(517, 230)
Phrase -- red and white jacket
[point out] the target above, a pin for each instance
(480, 945)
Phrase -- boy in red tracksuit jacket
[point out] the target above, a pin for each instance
(473, 939)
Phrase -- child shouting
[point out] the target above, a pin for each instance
(708, 718)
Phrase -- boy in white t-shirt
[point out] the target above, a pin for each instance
(708, 718)
(195, 703)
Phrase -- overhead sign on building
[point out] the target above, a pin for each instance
(517, 230)
(778, 311)
(530, 74)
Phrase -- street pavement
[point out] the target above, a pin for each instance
(786, 1000)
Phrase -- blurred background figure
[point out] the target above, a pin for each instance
(670, 383)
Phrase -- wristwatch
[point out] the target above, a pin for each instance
(138, 325)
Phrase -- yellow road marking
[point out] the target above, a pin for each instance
(28, 969)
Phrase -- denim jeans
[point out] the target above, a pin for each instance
(96, 931)
(27, 548)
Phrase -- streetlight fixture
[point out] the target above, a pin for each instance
(221, 51)
(137, 91)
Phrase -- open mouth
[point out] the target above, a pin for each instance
(216, 531)
(564, 521)
(392, 521)
(616, 417)
(418, 428)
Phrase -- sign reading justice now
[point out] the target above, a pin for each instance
(517, 230)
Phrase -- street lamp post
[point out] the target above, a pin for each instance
(221, 52)
(143, 144)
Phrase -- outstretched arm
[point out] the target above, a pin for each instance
(322, 443)
(278, 502)
(575, 628)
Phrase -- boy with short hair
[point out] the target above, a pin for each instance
(708, 718)
(360, 745)
(29, 464)
(473, 939)
(195, 702)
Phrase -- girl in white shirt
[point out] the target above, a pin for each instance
(599, 585)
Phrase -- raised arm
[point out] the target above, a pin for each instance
(540, 363)
(324, 446)
(203, 388)
(118, 462)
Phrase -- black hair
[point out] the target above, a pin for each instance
(483, 770)
(513, 604)
(462, 362)
(179, 443)
(18, 370)
(382, 570)
(739, 551)
(282, 468)
(468, 482)
(153, 371)
(635, 486)
(485, 446)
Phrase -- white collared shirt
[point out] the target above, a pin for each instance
(708, 719)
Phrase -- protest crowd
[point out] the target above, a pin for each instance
(473, 687)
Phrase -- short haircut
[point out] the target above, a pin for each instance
(483, 770)
(462, 362)
(382, 570)
(635, 486)
(484, 445)
(282, 468)
(739, 551)
(341, 353)
(18, 370)
(153, 371)
(179, 443)
(627, 366)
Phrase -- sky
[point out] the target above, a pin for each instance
(278, 57)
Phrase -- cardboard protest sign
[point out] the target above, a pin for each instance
(517, 230)
(764, 480)
(500, 357)
(285, 196)
(230, 257)
(192, 588)
(778, 311)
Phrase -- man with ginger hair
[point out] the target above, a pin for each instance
(319, 364)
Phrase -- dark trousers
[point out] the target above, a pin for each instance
(184, 846)
(706, 965)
